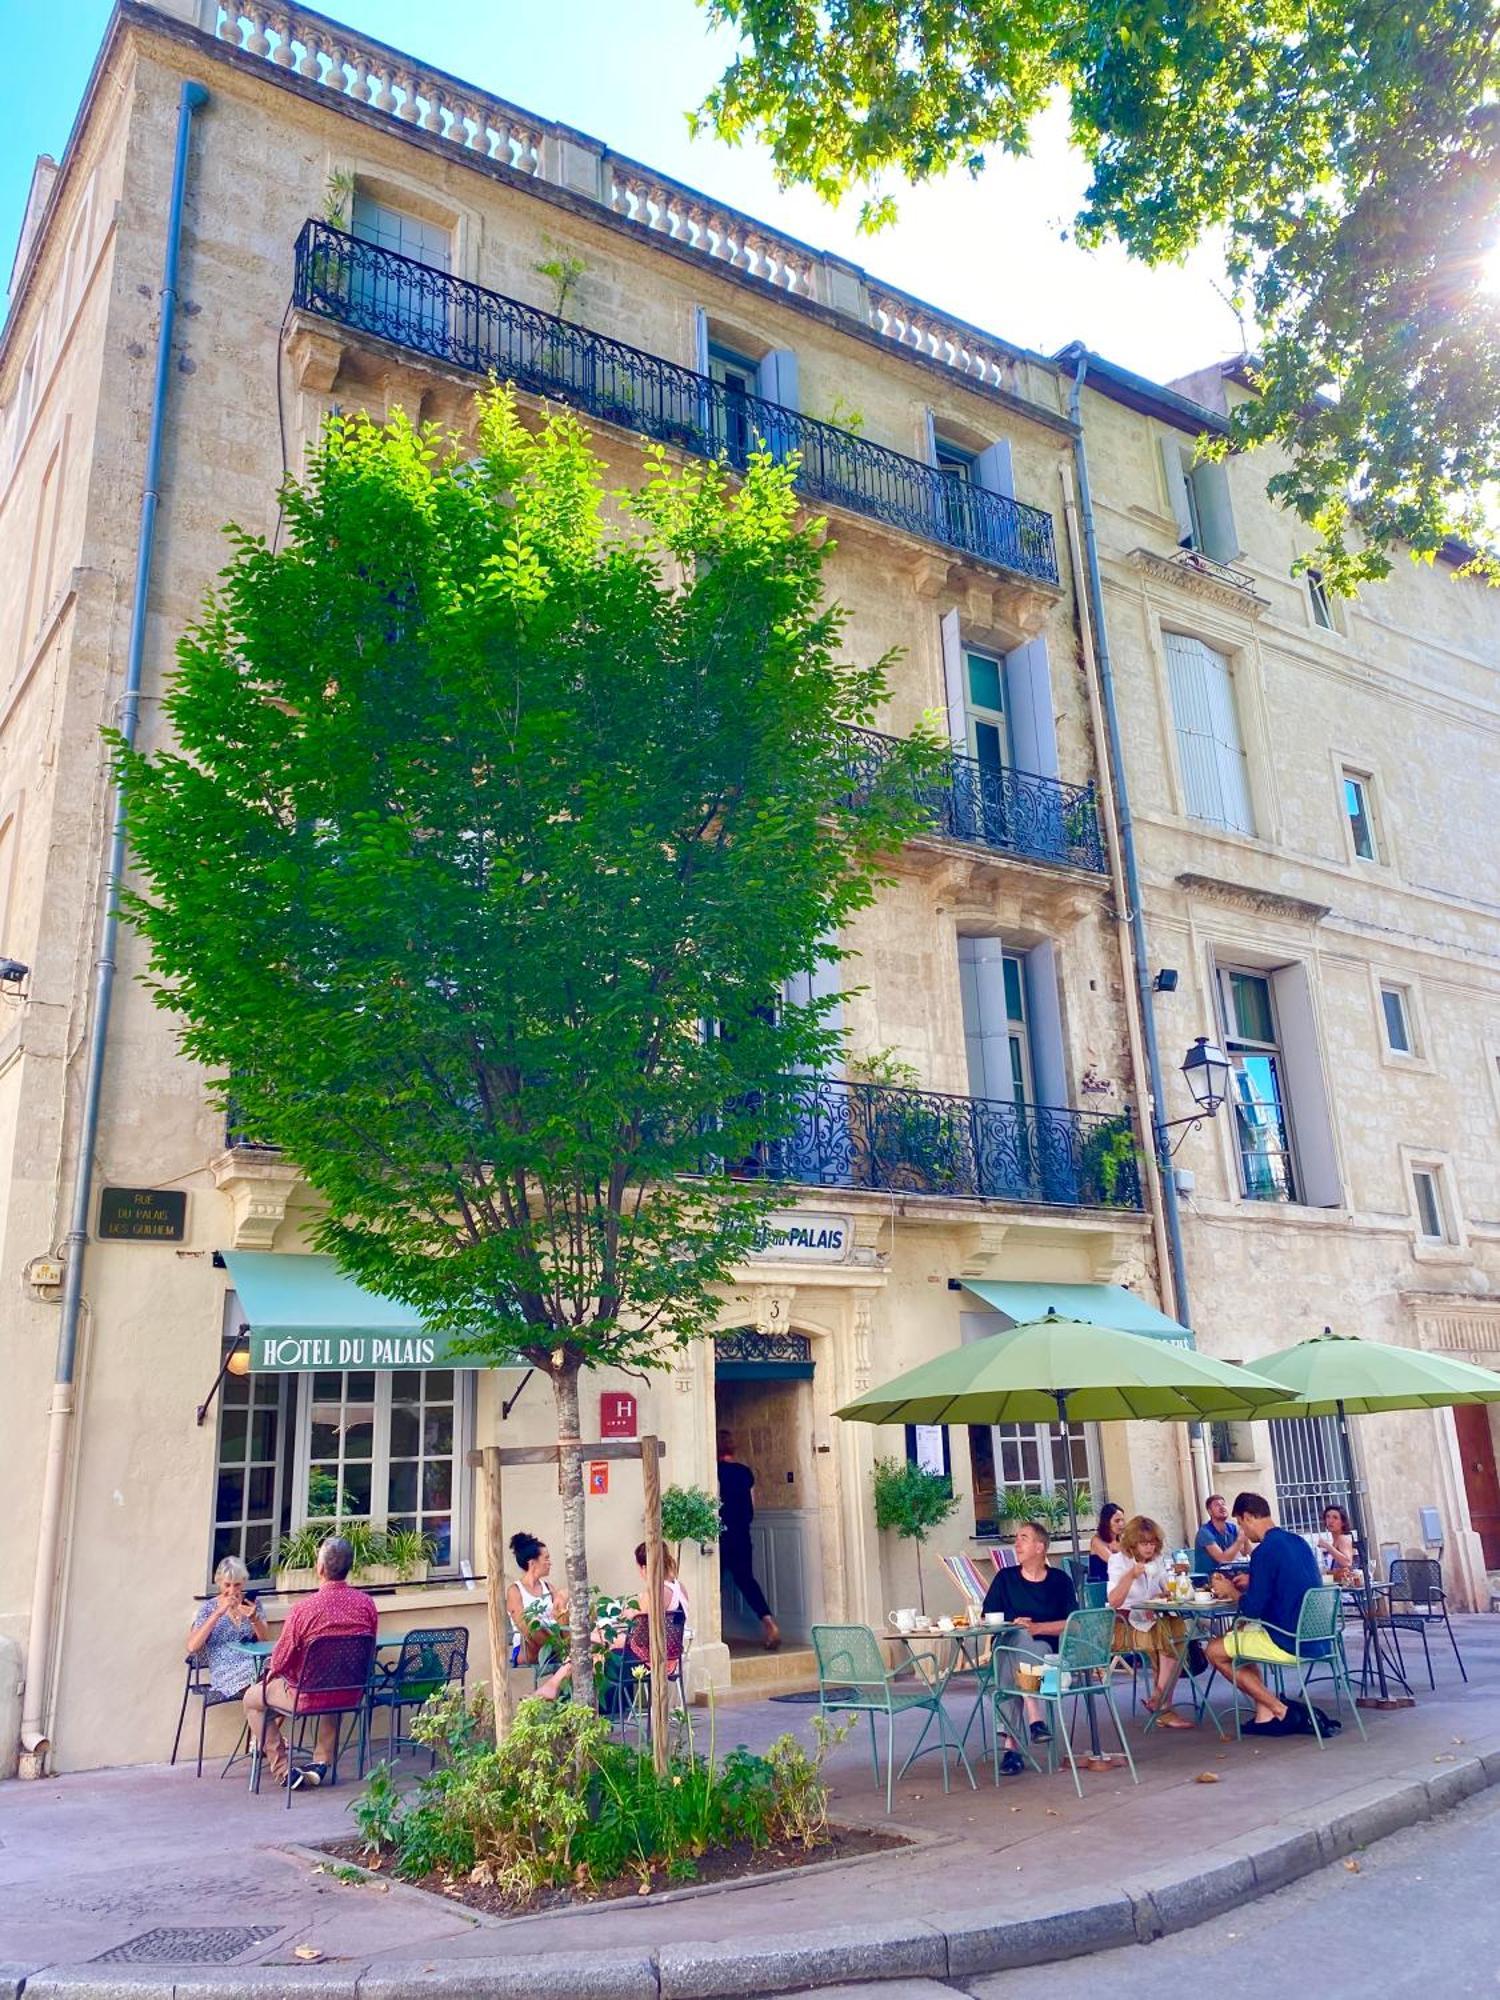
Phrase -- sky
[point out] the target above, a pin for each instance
(990, 250)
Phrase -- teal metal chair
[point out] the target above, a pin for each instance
(1081, 1672)
(854, 1679)
(1319, 1622)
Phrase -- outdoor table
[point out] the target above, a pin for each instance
(965, 1640)
(1214, 1613)
(1381, 1663)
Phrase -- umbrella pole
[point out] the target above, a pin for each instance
(1061, 1396)
(1374, 1640)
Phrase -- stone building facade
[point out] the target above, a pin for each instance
(360, 232)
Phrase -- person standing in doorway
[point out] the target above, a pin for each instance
(736, 1558)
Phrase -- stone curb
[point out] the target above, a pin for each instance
(941, 1947)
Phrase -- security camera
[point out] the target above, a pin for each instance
(12, 972)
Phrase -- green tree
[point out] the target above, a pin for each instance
(1347, 151)
(485, 802)
(910, 1502)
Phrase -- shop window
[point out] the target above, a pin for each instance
(1030, 1459)
(249, 1478)
(384, 1448)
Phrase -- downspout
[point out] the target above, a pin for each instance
(34, 1739)
(1125, 829)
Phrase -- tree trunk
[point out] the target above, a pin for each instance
(574, 1534)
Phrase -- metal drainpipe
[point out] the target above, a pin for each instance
(1125, 827)
(34, 1741)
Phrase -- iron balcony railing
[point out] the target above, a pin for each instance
(875, 1135)
(1015, 812)
(383, 293)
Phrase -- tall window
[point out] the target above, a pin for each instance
(1318, 598)
(1360, 817)
(382, 1448)
(997, 1033)
(248, 1485)
(1010, 1459)
(385, 298)
(1396, 1012)
(1262, 1127)
(1210, 753)
(1198, 492)
(738, 377)
(989, 726)
(1432, 1208)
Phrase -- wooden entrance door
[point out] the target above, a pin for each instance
(1476, 1447)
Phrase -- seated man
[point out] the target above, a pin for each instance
(334, 1608)
(1040, 1600)
(1283, 1569)
(1218, 1541)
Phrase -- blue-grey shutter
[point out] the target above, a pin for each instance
(778, 377)
(1215, 513)
(1044, 1025)
(1177, 492)
(953, 683)
(992, 469)
(1028, 697)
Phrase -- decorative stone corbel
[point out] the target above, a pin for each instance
(771, 1308)
(259, 1186)
(869, 1228)
(863, 1304)
(979, 1247)
(315, 358)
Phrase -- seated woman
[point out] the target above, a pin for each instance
(1338, 1536)
(531, 1601)
(629, 1659)
(1137, 1573)
(221, 1627)
(1105, 1541)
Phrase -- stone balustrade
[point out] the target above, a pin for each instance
(323, 52)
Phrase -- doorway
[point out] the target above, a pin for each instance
(763, 1395)
(1476, 1449)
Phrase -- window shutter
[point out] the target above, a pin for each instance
(992, 469)
(1209, 751)
(929, 437)
(953, 683)
(1028, 697)
(1177, 493)
(1044, 1024)
(778, 377)
(1215, 513)
(981, 979)
(700, 340)
(821, 987)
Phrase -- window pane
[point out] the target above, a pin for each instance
(989, 747)
(232, 1427)
(357, 1490)
(437, 1483)
(402, 1487)
(438, 1385)
(1015, 1005)
(327, 1388)
(326, 1499)
(323, 1433)
(1429, 1213)
(406, 1385)
(1357, 807)
(1261, 1130)
(1252, 1007)
(437, 1432)
(359, 1430)
(261, 1490)
(226, 1543)
(360, 1387)
(1395, 1021)
(263, 1435)
(984, 682)
(229, 1503)
(440, 1528)
(405, 1431)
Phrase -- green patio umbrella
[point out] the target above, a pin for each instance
(1340, 1375)
(1068, 1371)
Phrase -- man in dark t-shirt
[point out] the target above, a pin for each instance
(736, 1558)
(1040, 1600)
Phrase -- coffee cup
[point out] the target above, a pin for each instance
(904, 1621)
(945, 1624)
(994, 1617)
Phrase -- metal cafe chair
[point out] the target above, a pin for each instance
(1320, 1622)
(1417, 1583)
(1080, 1671)
(335, 1680)
(197, 1687)
(853, 1678)
(428, 1662)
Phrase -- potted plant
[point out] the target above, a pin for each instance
(910, 1501)
(399, 1555)
(297, 1554)
(688, 1514)
(1111, 1164)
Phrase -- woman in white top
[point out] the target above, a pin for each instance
(1138, 1573)
(531, 1600)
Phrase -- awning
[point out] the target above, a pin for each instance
(1100, 1305)
(303, 1312)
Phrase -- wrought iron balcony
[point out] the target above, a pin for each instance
(875, 1135)
(383, 293)
(1015, 812)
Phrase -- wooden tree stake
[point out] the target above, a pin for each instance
(494, 1592)
(656, 1580)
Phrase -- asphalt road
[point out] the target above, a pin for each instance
(1419, 1915)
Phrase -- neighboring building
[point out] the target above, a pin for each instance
(992, 967)
(1315, 784)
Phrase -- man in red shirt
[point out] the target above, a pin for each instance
(335, 1608)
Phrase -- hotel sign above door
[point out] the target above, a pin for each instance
(804, 1236)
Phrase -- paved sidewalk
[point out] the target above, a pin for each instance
(89, 1864)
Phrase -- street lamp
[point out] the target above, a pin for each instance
(1207, 1070)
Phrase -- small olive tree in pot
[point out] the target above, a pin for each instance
(910, 1501)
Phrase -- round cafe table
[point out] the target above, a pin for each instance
(965, 1645)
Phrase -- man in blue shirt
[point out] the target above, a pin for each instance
(1282, 1571)
(1218, 1541)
